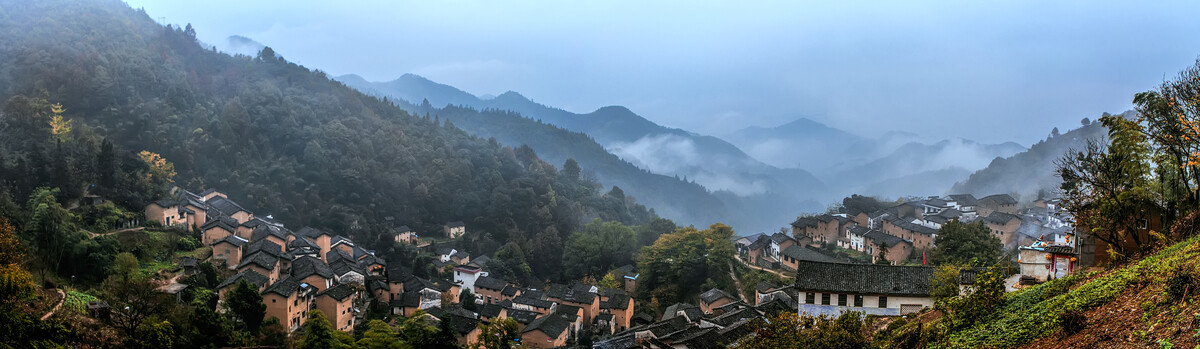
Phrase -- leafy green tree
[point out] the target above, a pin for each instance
(965, 244)
(380, 335)
(649, 232)
(246, 305)
(417, 331)
(319, 334)
(678, 264)
(467, 299)
(499, 334)
(979, 300)
(1109, 189)
(510, 264)
(208, 327)
(125, 265)
(134, 300)
(788, 330)
(600, 247)
(50, 228)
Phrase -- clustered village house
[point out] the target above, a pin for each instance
(306, 269)
(298, 271)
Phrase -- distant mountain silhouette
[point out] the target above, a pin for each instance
(1028, 172)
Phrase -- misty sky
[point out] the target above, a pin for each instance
(993, 72)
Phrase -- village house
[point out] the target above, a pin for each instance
(824, 229)
(545, 332)
(922, 237)
(1004, 227)
(313, 271)
(714, 298)
(454, 230)
(405, 235)
(792, 256)
(259, 281)
(578, 295)
(1094, 252)
(965, 203)
(898, 250)
(229, 208)
(164, 211)
(229, 250)
(533, 300)
(262, 263)
(854, 238)
(1042, 262)
(488, 289)
(832, 288)
(466, 275)
(289, 300)
(629, 277)
(620, 307)
(217, 229)
(996, 203)
(338, 305)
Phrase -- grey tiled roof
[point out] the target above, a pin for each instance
(863, 278)
(714, 295)
(803, 253)
(552, 325)
(339, 292)
(253, 277)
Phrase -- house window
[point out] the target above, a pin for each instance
(810, 298)
(882, 301)
(1143, 224)
(841, 300)
(825, 298)
(858, 301)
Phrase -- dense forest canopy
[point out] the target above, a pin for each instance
(279, 138)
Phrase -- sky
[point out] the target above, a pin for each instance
(988, 71)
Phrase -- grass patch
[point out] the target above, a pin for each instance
(1039, 311)
(77, 301)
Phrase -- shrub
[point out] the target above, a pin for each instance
(1072, 322)
(1180, 283)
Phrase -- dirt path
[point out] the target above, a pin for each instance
(62, 299)
(737, 282)
(739, 258)
(91, 234)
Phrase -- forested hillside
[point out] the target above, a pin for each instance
(684, 202)
(280, 138)
(757, 196)
(1029, 172)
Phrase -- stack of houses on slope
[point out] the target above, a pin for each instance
(904, 232)
(306, 269)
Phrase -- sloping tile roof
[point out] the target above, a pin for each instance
(1000, 218)
(261, 259)
(339, 292)
(253, 277)
(998, 199)
(311, 232)
(285, 287)
(232, 240)
(491, 283)
(552, 325)
(803, 253)
(522, 316)
(489, 310)
(965, 199)
(226, 206)
(713, 295)
(864, 278)
(305, 266)
(880, 237)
